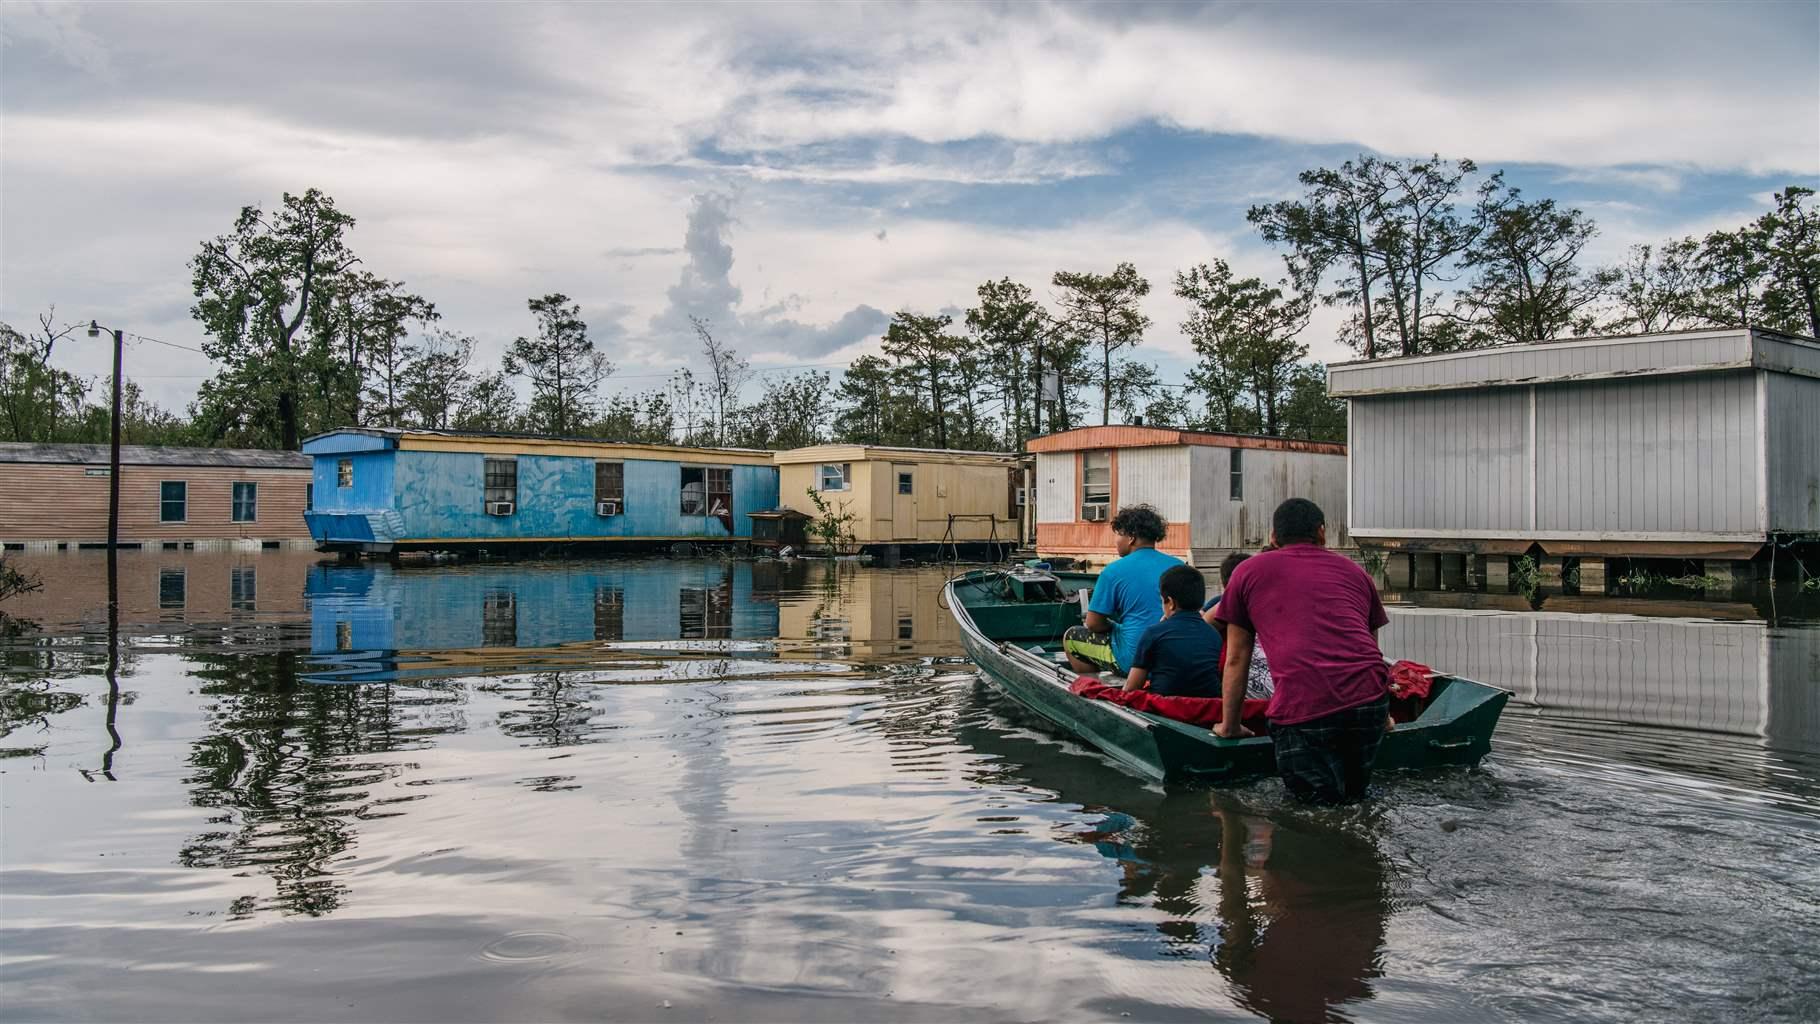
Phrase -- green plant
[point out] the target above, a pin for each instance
(1642, 579)
(1526, 574)
(1372, 559)
(832, 527)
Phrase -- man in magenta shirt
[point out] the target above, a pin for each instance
(1318, 614)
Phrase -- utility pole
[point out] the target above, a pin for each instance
(113, 477)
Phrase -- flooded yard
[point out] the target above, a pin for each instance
(734, 790)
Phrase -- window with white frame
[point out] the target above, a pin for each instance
(835, 476)
(501, 479)
(173, 501)
(1096, 484)
(610, 484)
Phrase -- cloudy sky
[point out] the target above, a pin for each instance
(795, 172)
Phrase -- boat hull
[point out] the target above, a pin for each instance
(1454, 729)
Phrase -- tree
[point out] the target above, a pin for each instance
(490, 405)
(1419, 231)
(1656, 288)
(727, 373)
(436, 378)
(1134, 387)
(1308, 412)
(1009, 326)
(792, 413)
(1333, 226)
(1790, 236)
(255, 290)
(645, 417)
(1245, 333)
(562, 365)
(38, 400)
(363, 320)
(1106, 309)
(867, 401)
(1529, 285)
(926, 352)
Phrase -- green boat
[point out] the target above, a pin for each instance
(1011, 623)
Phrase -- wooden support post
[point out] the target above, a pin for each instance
(1549, 569)
(1497, 573)
(1592, 576)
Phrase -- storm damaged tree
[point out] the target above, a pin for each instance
(727, 373)
(1528, 285)
(1106, 310)
(38, 401)
(562, 365)
(1790, 236)
(436, 378)
(256, 288)
(363, 320)
(1331, 230)
(1655, 288)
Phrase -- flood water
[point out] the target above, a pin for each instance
(707, 790)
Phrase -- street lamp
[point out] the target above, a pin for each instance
(113, 470)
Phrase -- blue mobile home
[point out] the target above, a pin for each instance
(383, 490)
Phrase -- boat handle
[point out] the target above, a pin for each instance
(1450, 744)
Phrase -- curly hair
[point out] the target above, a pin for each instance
(1140, 522)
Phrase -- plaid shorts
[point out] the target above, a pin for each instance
(1328, 760)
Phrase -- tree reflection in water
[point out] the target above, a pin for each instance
(283, 765)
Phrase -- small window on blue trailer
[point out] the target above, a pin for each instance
(1238, 474)
(610, 488)
(344, 473)
(501, 479)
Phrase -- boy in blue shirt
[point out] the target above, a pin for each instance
(1124, 601)
(1179, 656)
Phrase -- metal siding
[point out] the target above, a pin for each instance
(1673, 454)
(1441, 461)
(439, 496)
(1157, 477)
(1055, 489)
(1793, 446)
(1270, 477)
(371, 490)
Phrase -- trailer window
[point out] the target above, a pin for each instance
(720, 492)
(344, 473)
(246, 502)
(173, 501)
(694, 491)
(1096, 484)
(1238, 474)
(835, 475)
(501, 481)
(610, 483)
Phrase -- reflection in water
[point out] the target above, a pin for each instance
(754, 788)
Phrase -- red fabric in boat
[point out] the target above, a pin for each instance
(1203, 711)
(1410, 679)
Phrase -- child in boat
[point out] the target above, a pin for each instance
(1179, 656)
(1258, 684)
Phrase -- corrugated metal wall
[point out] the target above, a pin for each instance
(1651, 455)
(1157, 477)
(1450, 460)
(1793, 421)
(1055, 494)
(1270, 477)
(1673, 455)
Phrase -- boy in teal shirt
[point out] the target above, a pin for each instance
(1126, 598)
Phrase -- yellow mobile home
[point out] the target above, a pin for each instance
(910, 499)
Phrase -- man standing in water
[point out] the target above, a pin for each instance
(1319, 614)
(1126, 599)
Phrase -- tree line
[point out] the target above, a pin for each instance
(1420, 256)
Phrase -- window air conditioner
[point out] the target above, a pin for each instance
(606, 508)
(1094, 513)
(499, 508)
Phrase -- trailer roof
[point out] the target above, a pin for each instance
(148, 455)
(1605, 358)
